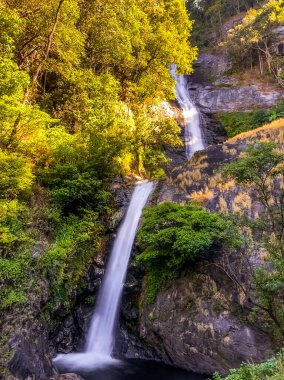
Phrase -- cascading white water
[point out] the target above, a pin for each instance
(193, 135)
(100, 339)
(101, 335)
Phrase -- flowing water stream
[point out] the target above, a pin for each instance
(96, 362)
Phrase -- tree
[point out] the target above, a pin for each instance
(82, 88)
(172, 237)
(49, 41)
(261, 169)
(253, 39)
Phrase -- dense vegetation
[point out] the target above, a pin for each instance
(211, 15)
(82, 85)
(172, 237)
(239, 122)
(253, 41)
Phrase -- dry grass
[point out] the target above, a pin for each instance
(202, 196)
(241, 203)
(273, 132)
(223, 205)
(199, 184)
(227, 186)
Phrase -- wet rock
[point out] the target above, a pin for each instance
(29, 360)
(68, 376)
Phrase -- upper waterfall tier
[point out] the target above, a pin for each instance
(193, 134)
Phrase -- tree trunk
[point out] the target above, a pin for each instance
(260, 62)
(45, 55)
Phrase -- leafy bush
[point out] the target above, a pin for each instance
(238, 122)
(13, 215)
(173, 236)
(15, 175)
(15, 279)
(76, 242)
(73, 188)
(272, 369)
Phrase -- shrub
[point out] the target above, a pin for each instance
(272, 369)
(15, 279)
(73, 187)
(76, 242)
(15, 175)
(13, 216)
(174, 236)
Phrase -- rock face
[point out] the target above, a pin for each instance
(244, 98)
(213, 90)
(30, 360)
(200, 180)
(192, 325)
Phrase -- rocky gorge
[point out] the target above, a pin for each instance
(206, 309)
(199, 322)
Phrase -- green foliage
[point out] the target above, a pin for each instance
(74, 188)
(212, 15)
(22, 126)
(272, 369)
(82, 88)
(13, 216)
(155, 279)
(16, 175)
(252, 41)
(13, 297)
(238, 122)
(173, 237)
(15, 279)
(77, 241)
(10, 25)
(261, 163)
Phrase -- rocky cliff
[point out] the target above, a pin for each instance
(214, 89)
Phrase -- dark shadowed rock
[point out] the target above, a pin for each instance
(30, 360)
(192, 325)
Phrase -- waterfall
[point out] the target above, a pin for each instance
(193, 135)
(100, 338)
(101, 335)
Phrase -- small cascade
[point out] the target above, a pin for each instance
(193, 135)
(101, 335)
